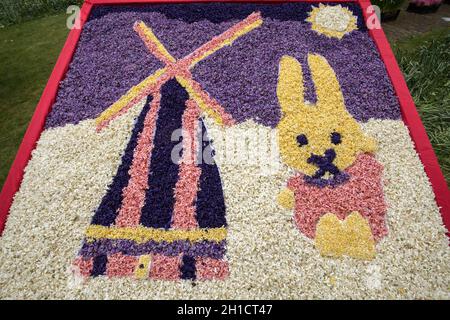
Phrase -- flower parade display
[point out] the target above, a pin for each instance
(224, 150)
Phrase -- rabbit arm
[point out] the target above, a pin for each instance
(286, 198)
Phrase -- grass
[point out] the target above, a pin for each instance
(15, 11)
(425, 62)
(388, 5)
(29, 50)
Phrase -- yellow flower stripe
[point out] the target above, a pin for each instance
(127, 98)
(200, 102)
(286, 198)
(150, 36)
(142, 234)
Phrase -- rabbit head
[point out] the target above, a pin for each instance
(318, 140)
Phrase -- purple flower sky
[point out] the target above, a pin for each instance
(111, 58)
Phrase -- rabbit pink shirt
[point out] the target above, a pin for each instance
(363, 192)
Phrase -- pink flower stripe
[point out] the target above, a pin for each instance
(120, 265)
(362, 193)
(84, 265)
(134, 192)
(189, 174)
(210, 269)
(165, 267)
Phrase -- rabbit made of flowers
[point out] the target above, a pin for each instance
(337, 193)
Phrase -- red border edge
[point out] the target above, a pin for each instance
(112, 2)
(412, 120)
(409, 112)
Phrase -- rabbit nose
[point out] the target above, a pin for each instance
(330, 155)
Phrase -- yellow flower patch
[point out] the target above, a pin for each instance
(143, 234)
(143, 266)
(352, 237)
(286, 198)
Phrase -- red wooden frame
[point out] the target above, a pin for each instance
(412, 120)
(408, 109)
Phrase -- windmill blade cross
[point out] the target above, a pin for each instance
(180, 70)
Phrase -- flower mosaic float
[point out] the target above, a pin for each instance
(221, 150)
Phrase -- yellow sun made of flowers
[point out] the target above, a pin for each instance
(332, 21)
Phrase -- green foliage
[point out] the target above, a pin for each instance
(28, 52)
(425, 63)
(388, 5)
(15, 11)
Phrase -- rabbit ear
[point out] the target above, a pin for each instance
(290, 85)
(328, 91)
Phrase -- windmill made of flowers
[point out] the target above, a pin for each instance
(160, 219)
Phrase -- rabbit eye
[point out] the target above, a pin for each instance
(302, 140)
(336, 138)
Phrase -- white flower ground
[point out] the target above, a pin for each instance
(269, 257)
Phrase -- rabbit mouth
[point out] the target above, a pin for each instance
(327, 173)
(324, 163)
